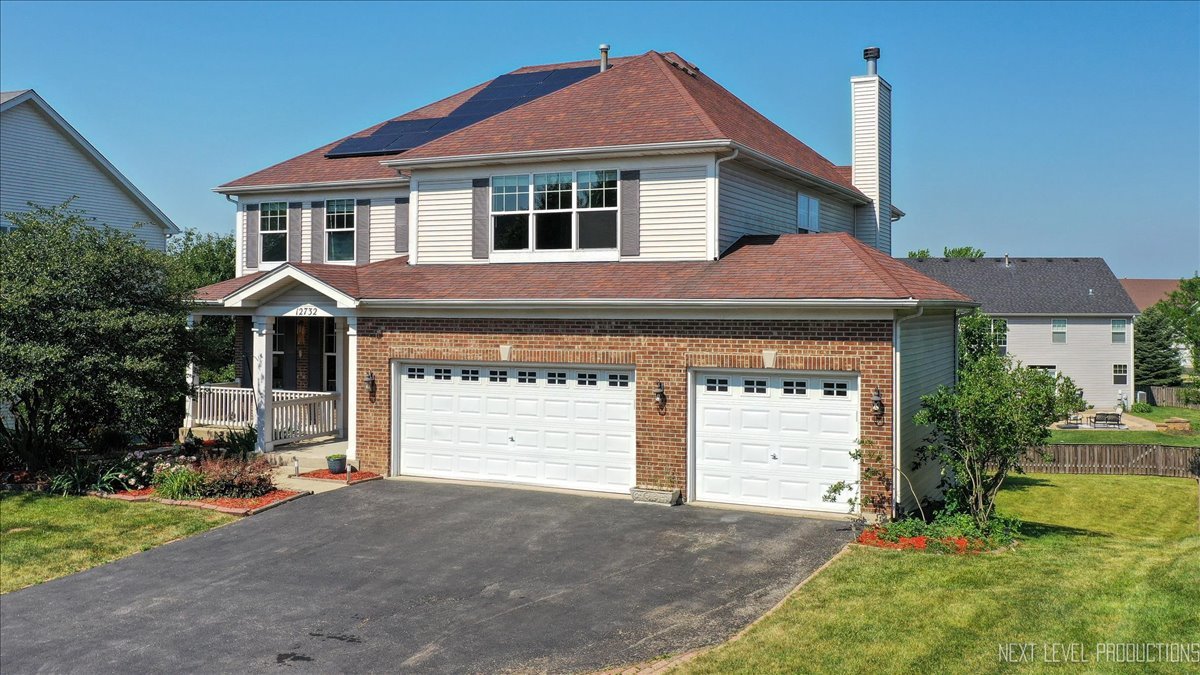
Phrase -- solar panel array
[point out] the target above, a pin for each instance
(501, 94)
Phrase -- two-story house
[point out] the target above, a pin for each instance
(1063, 315)
(44, 160)
(593, 275)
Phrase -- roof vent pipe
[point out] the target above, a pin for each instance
(1006, 263)
(871, 55)
(604, 57)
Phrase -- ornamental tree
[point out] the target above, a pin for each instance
(199, 260)
(984, 426)
(1182, 310)
(1155, 358)
(93, 341)
(978, 335)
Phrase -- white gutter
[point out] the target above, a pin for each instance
(320, 185)
(559, 153)
(717, 201)
(666, 303)
(896, 386)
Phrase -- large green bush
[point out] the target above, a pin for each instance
(93, 341)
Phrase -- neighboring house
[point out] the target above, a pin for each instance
(44, 160)
(591, 275)
(1148, 292)
(1065, 315)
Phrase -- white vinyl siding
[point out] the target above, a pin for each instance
(383, 229)
(674, 213)
(755, 202)
(444, 215)
(1087, 357)
(927, 354)
(41, 164)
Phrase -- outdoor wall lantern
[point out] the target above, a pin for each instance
(660, 396)
(369, 381)
(877, 403)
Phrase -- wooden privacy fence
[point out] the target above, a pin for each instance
(1139, 460)
(1169, 396)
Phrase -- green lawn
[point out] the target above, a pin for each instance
(1104, 559)
(44, 537)
(1121, 436)
(1160, 413)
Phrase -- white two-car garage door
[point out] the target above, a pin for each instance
(543, 425)
(774, 440)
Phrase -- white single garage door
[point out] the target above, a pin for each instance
(774, 440)
(543, 425)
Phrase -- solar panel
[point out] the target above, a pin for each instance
(503, 93)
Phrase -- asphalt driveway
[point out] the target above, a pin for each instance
(422, 576)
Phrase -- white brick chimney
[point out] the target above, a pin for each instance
(871, 109)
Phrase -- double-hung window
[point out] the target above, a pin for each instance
(1000, 334)
(1058, 331)
(339, 230)
(557, 211)
(808, 213)
(272, 227)
(1119, 328)
(1120, 373)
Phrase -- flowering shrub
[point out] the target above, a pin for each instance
(947, 533)
(232, 477)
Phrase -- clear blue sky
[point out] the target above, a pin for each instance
(1032, 129)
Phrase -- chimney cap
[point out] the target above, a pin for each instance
(870, 53)
(604, 47)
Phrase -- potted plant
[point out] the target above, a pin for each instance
(337, 463)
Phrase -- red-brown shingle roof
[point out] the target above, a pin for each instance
(645, 99)
(784, 267)
(1146, 292)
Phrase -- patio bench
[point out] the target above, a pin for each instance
(1106, 420)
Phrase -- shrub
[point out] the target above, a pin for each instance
(86, 475)
(241, 442)
(1141, 407)
(235, 477)
(178, 481)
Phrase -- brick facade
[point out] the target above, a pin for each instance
(661, 350)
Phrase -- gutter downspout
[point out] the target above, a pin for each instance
(896, 386)
(717, 200)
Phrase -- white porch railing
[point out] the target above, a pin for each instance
(308, 416)
(297, 414)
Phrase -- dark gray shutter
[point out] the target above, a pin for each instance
(316, 354)
(401, 224)
(631, 226)
(479, 218)
(318, 232)
(362, 232)
(295, 213)
(288, 327)
(252, 235)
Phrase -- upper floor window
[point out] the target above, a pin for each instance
(339, 230)
(1000, 331)
(1119, 328)
(1058, 331)
(808, 213)
(272, 227)
(558, 211)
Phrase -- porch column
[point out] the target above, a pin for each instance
(339, 372)
(193, 380)
(351, 385)
(264, 331)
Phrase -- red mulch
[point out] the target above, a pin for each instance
(958, 545)
(144, 492)
(224, 502)
(325, 474)
(251, 503)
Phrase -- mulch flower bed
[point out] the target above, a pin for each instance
(957, 545)
(233, 506)
(326, 474)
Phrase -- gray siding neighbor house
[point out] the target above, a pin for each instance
(1066, 315)
(44, 160)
